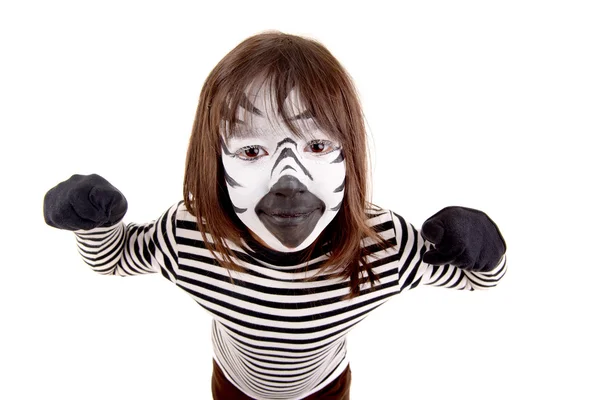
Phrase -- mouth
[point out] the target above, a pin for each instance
(289, 217)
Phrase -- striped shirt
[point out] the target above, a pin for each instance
(275, 334)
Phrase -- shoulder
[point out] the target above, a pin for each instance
(378, 217)
(182, 213)
(184, 219)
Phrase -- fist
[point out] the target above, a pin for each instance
(84, 202)
(465, 238)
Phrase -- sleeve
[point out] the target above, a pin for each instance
(412, 271)
(132, 249)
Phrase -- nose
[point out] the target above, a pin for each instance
(288, 186)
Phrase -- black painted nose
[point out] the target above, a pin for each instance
(288, 186)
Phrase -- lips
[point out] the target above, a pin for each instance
(290, 211)
(289, 217)
(291, 226)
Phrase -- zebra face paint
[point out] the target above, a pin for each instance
(285, 189)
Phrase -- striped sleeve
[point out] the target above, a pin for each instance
(412, 271)
(132, 249)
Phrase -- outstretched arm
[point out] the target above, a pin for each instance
(93, 209)
(458, 248)
(133, 249)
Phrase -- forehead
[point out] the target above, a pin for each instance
(263, 97)
(257, 113)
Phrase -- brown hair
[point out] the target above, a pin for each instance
(326, 90)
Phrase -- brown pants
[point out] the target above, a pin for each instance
(339, 389)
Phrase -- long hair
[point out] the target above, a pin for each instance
(326, 90)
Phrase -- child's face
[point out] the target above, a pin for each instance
(285, 189)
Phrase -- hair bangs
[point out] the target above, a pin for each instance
(305, 94)
(278, 107)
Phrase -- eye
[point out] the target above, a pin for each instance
(250, 153)
(320, 146)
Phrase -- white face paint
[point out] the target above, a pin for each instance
(285, 189)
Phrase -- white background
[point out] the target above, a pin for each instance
(490, 105)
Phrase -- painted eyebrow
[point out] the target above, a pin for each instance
(306, 114)
(247, 105)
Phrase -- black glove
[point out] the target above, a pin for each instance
(84, 202)
(465, 238)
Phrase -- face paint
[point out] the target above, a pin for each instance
(285, 189)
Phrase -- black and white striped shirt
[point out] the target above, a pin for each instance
(275, 335)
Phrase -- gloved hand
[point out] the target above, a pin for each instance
(84, 202)
(465, 238)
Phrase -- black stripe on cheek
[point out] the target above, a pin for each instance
(239, 210)
(289, 153)
(339, 158)
(336, 208)
(232, 182)
(341, 187)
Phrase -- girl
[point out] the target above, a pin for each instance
(274, 236)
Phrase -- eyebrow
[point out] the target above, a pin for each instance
(247, 105)
(306, 114)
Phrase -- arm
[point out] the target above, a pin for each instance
(463, 250)
(132, 249)
(93, 209)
